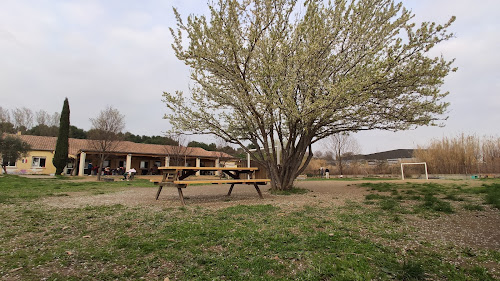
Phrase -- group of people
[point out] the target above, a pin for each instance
(127, 175)
(93, 170)
(324, 173)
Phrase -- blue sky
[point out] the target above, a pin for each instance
(118, 53)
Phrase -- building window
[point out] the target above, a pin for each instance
(157, 163)
(9, 163)
(38, 162)
(144, 165)
(106, 163)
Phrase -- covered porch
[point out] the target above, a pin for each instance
(144, 164)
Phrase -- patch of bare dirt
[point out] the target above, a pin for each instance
(477, 229)
(214, 196)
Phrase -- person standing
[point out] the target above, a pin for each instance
(327, 173)
(90, 167)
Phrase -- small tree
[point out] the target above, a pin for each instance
(341, 144)
(105, 134)
(177, 151)
(60, 159)
(7, 127)
(11, 149)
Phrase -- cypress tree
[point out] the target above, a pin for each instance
(61, 154)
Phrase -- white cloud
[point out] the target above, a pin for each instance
(86, 12)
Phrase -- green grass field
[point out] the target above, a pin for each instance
(358, 241)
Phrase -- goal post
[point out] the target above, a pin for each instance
(421, 163)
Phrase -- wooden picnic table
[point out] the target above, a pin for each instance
(177, 176)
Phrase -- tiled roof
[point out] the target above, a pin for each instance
(385, 155)
(124, 147)
(391, 154)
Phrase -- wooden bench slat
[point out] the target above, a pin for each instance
(158, 181)
(223, 181)
(172, 168)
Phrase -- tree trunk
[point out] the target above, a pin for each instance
(99, 170)
(75, 162)
(283, 176)
(278, 182)
(340, 166)
(101, 163)
(339, 159)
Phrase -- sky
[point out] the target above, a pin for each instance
(118, 53)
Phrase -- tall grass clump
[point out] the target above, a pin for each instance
(463, 154)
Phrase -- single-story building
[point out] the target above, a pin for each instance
(125, 155)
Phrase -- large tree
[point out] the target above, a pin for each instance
(105, 134)
(283, 76)
(60, 159)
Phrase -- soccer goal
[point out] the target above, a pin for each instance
(422, 163)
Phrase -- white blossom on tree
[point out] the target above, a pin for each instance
(283, 76)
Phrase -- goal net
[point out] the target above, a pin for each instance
(422, 163)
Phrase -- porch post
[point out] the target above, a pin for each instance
(81, 168)
(167, 161)
(198, 162)
(217, 164)
(129, 162)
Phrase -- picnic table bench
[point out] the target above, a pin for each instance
(177, 176)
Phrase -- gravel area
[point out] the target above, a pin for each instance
(214, 196)
(477, 229)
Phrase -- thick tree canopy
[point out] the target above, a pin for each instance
(208, 147)
(279, 74)
(11, 149)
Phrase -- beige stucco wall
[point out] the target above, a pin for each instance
(24, 165)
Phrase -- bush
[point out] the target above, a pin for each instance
(434, 204)
(412, 271)
(388, 204)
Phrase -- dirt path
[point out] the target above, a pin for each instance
(214, 196)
